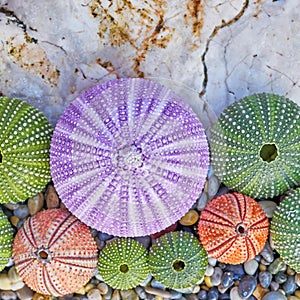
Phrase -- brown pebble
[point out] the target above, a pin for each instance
(262, 267)
(35, 204)
(259, 292)
(52, 199)
(190, 218)
(297, 293)
(38, 296)
(14, 220)
(158, 292)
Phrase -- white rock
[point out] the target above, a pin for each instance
(268, 207)
(251, 266)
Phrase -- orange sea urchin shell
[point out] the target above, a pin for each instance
(233, 228)
(54, 253)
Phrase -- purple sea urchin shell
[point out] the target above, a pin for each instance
(129, 157)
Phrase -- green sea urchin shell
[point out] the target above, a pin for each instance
(25, 137)
(285, 229)
(123, 263)
(6, 240)
(177, 260)
(255, 145)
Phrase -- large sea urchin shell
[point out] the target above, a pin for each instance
(6, 240)
(233, 228)
(25, 137)
(128, 157)
(123, 263)
(177, 260)
(54, 253)
(255, 145)
(285, 229)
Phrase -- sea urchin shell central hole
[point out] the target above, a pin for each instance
(43, 254)
(0, 157)
(124, 268)
(240, 229)
(268, 152)
(178, 265)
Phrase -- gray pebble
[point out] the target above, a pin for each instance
(274, 286)
(251, 266)
(209, 270)
(22, 211)
(274, 296)
(144, 240)
(265, 279)
(129, 295)
(108, 294)
(202, 201)
(267, 253)
(175, 294)
(227, 279)
(158, 292)
(202, 295)
(280, 277)
(156, 284)
(104, 236)
(116, 295)
(212, 261)
(147, 280)
(290, 286)
(25, 293)
(268, 207)
(237, 270)
(94, 294)
(8, 295)
(140, 292)
(216, 276)
(247, 286)
(277, 265)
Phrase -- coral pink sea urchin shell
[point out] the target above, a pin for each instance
(54, 253)
(129, 157)
(233, 228)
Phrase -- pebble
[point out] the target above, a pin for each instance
(25, 293)
(14, 220)
(140, 292)
(202, 201)
(22, 211)
(129, 295)
(108, 294)
(116, 295)
(147, 280)
(52, 199)
(38, 296)
(190, 218)
(17, 285)
(216, 276)
(144, 240)
(234, 294)
(5, 283)
(207, 280)
(209, 270)
(227, 279)
(259, 292)
(268, 207)
(265, 279)
(102, 287)
(289, 286)
(237, 270)
(267, 253)
(13, 275)
(104, 236)
(202, 295)
(171, 228)
(94, 294)
(251, 266)
(280, 277)
(274, 286)
(158, 285)
(247, 286)
(175, 294)
(88, 287)
(277, 265)
(81, 291)
(274, 296)
(212, 186)
(35, 204)
(11, 206)
(158, 292)
(213, 294)
(297, 279)
(191, 297)
(8, 295)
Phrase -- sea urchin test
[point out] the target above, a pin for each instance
(129, 157)
(25, 135)
(6, 240)
(255, 145)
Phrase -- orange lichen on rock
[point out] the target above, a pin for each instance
(233, 228)
(54, 253)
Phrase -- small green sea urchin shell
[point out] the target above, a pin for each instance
(285, 229)
(6, 240)
(25, 137)
(255, 145)
(177, 260)
(123, 263)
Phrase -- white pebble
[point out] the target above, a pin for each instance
(251, 266)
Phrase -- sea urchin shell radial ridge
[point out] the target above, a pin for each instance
(233, 228)
(129, 157)
(285, 229)
(255, 145)
(177, 260)
(123, 263)
(54, 253)
(6, 240)
(25, 137)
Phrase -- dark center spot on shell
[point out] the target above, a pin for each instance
(43, 254)
(240, 229)
(268, 152)
(124, 268)
(178, 265)
(1, 157)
